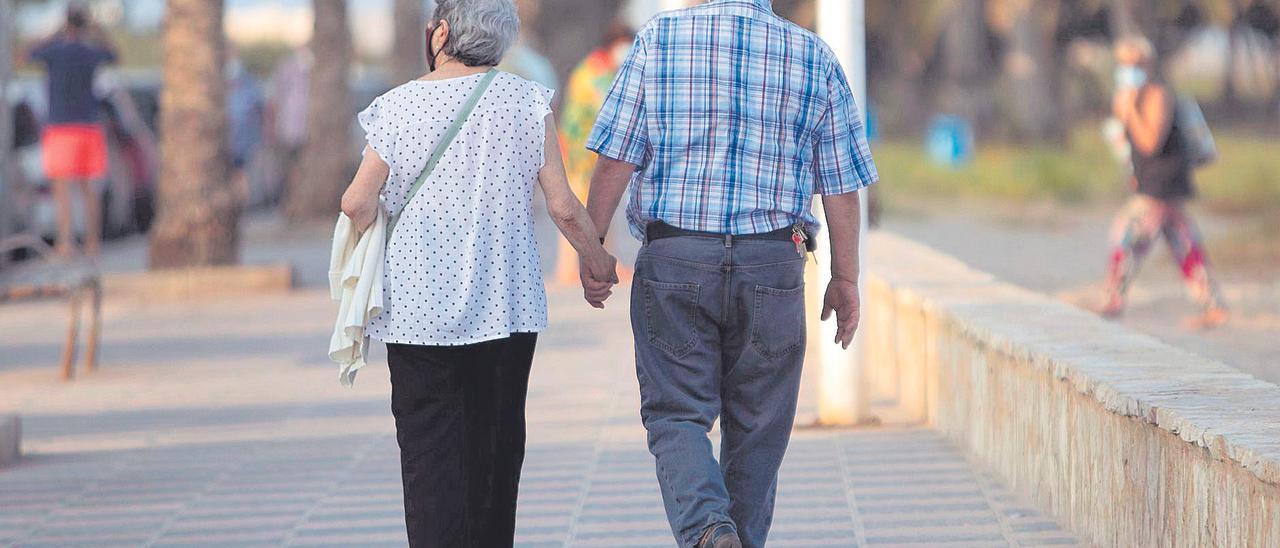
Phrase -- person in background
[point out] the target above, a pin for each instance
(286, 114)
(1146, 108)
(74, 142)
(245, 107)
(588, 84)
(730, 119)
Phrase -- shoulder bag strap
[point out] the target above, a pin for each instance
(444, 143)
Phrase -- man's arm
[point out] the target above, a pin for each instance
(843, 224)
(608, 183)
(842, 166)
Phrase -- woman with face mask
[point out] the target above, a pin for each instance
(1162, 183)
(452, 160)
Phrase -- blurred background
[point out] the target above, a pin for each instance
(987, 119)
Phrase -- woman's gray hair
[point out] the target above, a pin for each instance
(480, 31)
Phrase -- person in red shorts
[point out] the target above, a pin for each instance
(74, 143)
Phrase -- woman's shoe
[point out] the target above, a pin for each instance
(1211, 318)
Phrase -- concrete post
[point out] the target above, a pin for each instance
(844, 394)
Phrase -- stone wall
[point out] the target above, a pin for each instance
(1128, 441)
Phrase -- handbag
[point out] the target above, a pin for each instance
(445, 141)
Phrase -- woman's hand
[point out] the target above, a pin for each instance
(1124, 104)
(360, 207)
(598, 272)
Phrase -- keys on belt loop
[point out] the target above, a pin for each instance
(800, 238)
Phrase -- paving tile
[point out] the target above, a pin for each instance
(282, 471)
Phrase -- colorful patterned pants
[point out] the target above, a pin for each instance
(1133, 233)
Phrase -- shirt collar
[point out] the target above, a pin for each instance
(766, 4)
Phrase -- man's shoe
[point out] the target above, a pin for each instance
(720, 536)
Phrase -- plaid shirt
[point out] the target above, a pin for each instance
(736, 118)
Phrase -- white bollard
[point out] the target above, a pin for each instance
(843, 392)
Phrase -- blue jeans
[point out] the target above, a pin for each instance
(719, 329)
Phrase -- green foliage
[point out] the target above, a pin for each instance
(1005, 172)
(1245, 180)
(1246, 177)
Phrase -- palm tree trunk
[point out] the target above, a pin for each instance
(566, 45)
(1134, 17)
(408, 56)
(967, 62)
(196, 223)
(327, 156)
(1031, 62)
(6, 118)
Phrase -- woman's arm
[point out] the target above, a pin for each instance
(569, 215)
(360, 201)
(1150, 119)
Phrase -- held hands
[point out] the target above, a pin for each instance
(842, 298)
(599, 273)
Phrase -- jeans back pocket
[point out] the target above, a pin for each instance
(670, 311)
(777, 321)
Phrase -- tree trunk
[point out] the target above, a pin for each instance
(408, 55)
(567, 45)
(905, 61)
(1031, 61)
(967, 60)
(6, 113)
(1134, 17)
(196, 223)
(327, 156)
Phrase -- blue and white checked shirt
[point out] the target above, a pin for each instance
(736, 118)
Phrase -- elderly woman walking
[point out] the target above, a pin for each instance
(465, 299)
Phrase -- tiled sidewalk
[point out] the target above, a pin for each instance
(220, 423)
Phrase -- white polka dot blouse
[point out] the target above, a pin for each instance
(462, 265)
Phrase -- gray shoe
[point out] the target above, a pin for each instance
(720, 535)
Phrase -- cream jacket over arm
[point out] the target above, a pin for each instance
(355, 281)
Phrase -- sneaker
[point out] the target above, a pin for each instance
(720, 536)
(1113, 309)
(1211, 318)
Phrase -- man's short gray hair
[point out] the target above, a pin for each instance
(480, 31)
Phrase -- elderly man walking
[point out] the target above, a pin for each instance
(730, 118)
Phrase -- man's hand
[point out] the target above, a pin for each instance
(842, 298)
(598, 273)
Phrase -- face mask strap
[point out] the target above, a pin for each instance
(432, 54)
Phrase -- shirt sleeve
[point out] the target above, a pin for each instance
(379, 133)
(545, 98)
(620, 130)
(41, 52)
(842, 160)
(106, 55)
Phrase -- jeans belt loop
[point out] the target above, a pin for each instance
(728, 240)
